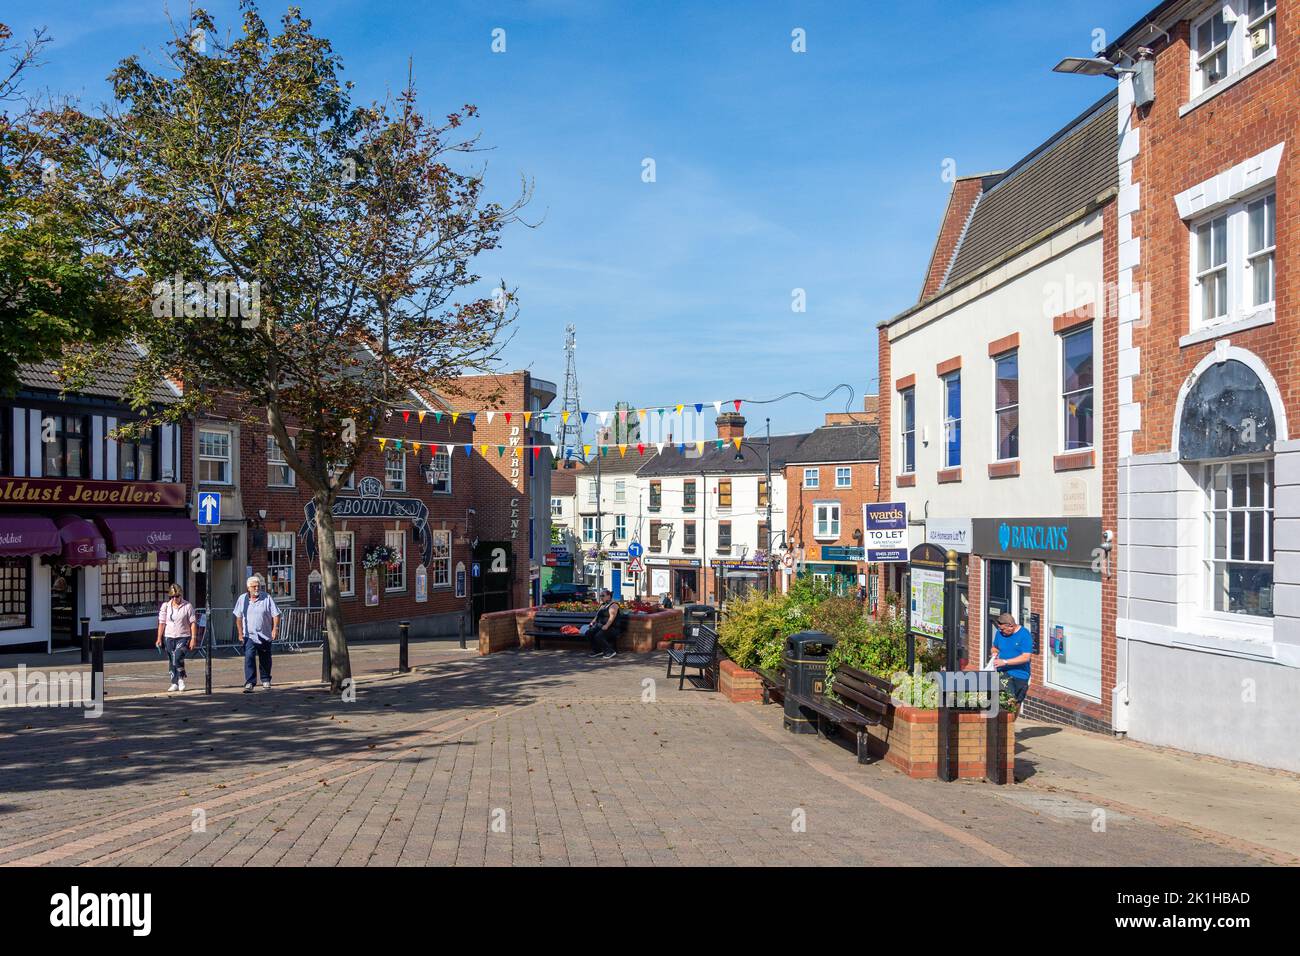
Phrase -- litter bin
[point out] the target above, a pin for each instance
(693, 615)
(804, 660)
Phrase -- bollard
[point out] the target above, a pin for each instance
(403, 658)
(462, 632)
(324, 655)
(97, 663)
(207, 657)
(85, 640)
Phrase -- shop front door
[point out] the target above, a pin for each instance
(999, 599)
(64, 629)
(687, 587)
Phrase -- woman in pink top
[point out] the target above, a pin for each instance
(178, 627)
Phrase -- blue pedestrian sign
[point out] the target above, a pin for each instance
(210, 508)
(477, 569)
(634, 549)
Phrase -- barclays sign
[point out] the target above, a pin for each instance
(1047, 539)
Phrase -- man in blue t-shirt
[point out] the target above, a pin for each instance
(1013, 646)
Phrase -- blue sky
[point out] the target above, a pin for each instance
(775, 170)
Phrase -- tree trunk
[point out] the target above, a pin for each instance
(340, 663)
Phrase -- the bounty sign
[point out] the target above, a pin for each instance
(886, 531)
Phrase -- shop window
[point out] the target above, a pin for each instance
(440, 569)
(345, 561)
(280, 565)
(66, 452)
(214, 457)
(15, 593)
(1006, 404)
(395, 578)
(132, 585)
(1076, 388)
(1071, 645)
(1239, 537)
(278, 472)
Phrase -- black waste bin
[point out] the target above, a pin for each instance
(694, 615)
(804, 660)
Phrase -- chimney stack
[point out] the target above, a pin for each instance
(730, 425)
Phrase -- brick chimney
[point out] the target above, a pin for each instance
(730, 425)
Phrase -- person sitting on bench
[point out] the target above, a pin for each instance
(601, 625)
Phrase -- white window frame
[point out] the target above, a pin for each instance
(1208, 511)
(271, 548)
(812, 477)
(1240, 54)
(1000, 410)
(351, 565)
(620, 490)
(1238, 266)
(228, 460)
(620, 527)
(949, 422)
(394, 482)
(909, 467)
(557, 507)
(397, 541)
(843, 476)
(440, 558)
(1062, 396)
(441, 472)
(832, 531)
(352, 478)
(588, 530)
(275, 459)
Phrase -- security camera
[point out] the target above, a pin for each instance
(1107, 540)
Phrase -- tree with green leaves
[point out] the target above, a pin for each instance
(55, 289)
(307, 258)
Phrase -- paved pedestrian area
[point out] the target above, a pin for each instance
(529, 758)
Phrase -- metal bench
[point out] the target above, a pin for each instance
(547, 625)
(864, 701)
(700, 651)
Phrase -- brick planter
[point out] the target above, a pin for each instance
(643, 634)
(908, 738)
(738, 685)
(502, 630)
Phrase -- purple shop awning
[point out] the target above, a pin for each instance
(22, 535)
(82, 542)
(149, 533)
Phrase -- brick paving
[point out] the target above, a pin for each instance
(529, 758)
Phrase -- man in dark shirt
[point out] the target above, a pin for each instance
(600, 630)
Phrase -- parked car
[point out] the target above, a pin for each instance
(567, 592)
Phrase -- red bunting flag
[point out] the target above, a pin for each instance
(737, 404)
(640, 448)
(406, 415)
(507, 418)
(537, 450)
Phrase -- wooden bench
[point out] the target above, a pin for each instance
(863, 702)
(548, 624)
(773, 683)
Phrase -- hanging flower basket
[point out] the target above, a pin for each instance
(381, 556)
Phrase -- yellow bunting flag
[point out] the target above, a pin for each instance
(565, 416)
(420, 416)
(737, 441)
(679, 409)
(699, 447)
(622, 450)
(641, 412)
(586, 450)
(382, 443)
(482, 450)
(527, 416)
(519, 451)
(416, 446)
(454, 416)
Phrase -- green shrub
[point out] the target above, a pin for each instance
(756, 627)
(877, 647)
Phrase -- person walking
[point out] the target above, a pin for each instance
(602, 625)
(1013, 647)
(257, 625)
(178, 628)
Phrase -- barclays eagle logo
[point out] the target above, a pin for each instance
(1004, 535)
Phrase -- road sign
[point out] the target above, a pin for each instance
(634, 549)
(210, 508)
(634, 566)
(477, 569)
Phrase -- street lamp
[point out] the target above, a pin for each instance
(767, 457)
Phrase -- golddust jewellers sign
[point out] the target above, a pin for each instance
(886, 531)
(371, 503)
(72, 492)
